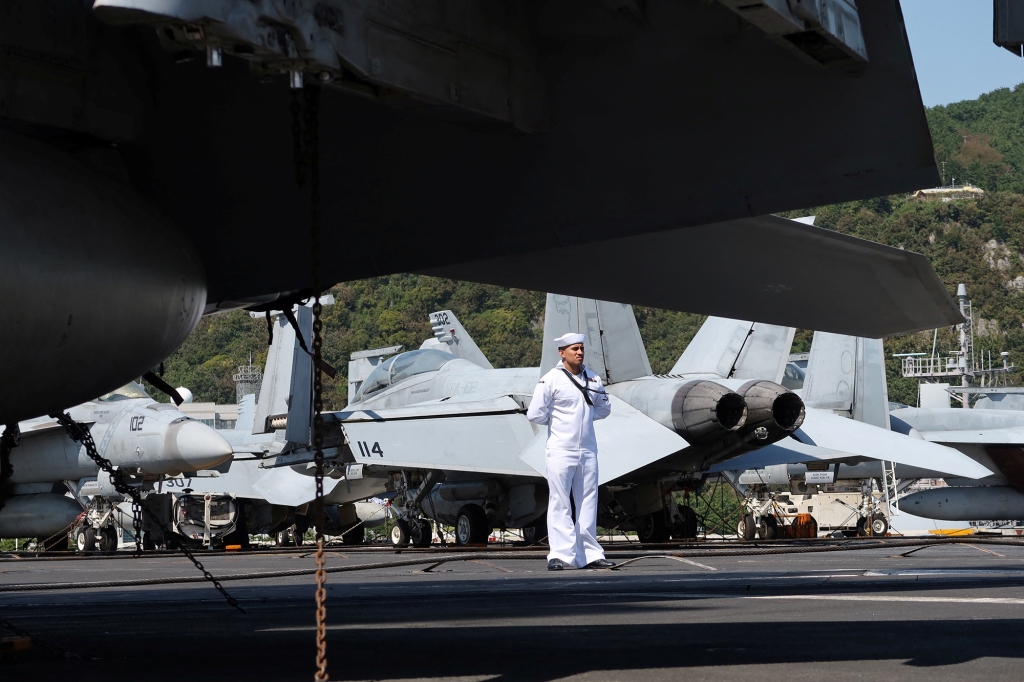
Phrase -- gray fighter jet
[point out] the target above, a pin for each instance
(993, 438)
(144, 439)
(225, 506)
(449, 432)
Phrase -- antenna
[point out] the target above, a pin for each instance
(248, 380)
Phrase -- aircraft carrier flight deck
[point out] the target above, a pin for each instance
(880, 608)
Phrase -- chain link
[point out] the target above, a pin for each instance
(8, 441)
(297, 153)
(137, 525)
(81, 434)
(306, 140)
(313, 142)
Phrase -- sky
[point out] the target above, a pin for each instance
(954, 55)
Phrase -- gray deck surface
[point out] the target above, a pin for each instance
(941, 613)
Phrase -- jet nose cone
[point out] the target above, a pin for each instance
(200, 446)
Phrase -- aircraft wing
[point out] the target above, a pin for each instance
(246, 479)
(824, 428)
(1011, 436)
(786, 451)
(43, 427)
(627, 440)
(771, 270)
(483, 435)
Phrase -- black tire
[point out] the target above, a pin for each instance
(652, 529)
(421, 533)
(284, 538)
(108, 539)
(862, 527)
(536, 532)
(746, 529)
(147, 541)
(471, 526)
(85, 539)
(354, 535)
(879, 525)
(400, 533)
(687, 528)
(768, 530)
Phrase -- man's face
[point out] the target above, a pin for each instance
(573, 353)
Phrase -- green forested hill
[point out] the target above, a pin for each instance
(978, 242)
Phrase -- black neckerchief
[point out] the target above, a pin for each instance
(583, 388)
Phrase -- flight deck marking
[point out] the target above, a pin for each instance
(982, 549)
(890, 598)
(693, 563)
(488, 563)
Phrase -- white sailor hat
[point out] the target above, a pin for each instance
(569, 339)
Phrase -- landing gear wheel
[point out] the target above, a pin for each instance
(536, 532)
(421, 533)
(471, 526)
(355, 535)
(147, 541)
(862, 527)
(879, 525)
(768, 529)
(85, 539)
(687, 528)
(288, 537)
(746, 529)
(108, 539)
(400, 533)
(652, 529)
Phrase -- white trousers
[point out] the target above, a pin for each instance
(573, 543)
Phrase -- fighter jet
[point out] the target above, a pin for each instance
(551, 125)
(449, 431)
(992, 438)
(245, 497)
(144, 439)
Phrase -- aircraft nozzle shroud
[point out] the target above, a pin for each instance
(773, 407)
(704, 410)
(193, 446)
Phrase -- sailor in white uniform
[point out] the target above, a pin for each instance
(568, 399)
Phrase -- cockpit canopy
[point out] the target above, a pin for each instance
(402, 366)
(127, 392)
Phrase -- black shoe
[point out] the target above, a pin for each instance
(556, 565)
(600, 563)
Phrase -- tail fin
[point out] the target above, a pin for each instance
(615, 350)
(847, 375)
(246, 413)
(286, 396)
(737, 349)
(449, 331)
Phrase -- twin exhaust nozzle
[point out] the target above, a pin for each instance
(704, 411)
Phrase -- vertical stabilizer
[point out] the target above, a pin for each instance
(246, 413)
(286, 396)
(737, 349)
(449, 331)
(846, 374)
(614, 349)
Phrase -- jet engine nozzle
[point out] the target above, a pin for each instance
(773, 407)
(704, 410)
